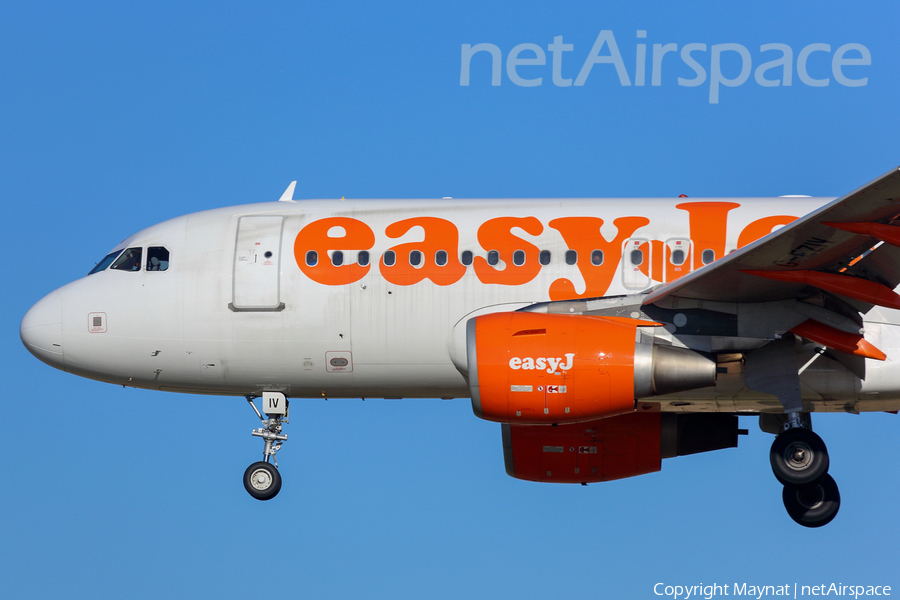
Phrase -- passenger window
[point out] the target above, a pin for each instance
(544, 257)
(389, 258)
(678, 257)
(362, 258)
(440, 258)
(708, 256)
(571, 257)
(637, 257)
(597, 258)
(130, 260)
(157, 258)
(415, 258)
(337, 258)
(519, 258)
(493, 258)
(466, 258)
(312, 258)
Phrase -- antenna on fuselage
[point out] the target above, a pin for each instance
(288, 195)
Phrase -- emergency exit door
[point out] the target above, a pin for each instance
(636, 264)
(257, 264)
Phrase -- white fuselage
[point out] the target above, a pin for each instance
(225, 318)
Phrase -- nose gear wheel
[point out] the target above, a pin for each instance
(262, 480)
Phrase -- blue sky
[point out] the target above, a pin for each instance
(115, 116)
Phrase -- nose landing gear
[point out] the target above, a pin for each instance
(261, 479)
(800, 462)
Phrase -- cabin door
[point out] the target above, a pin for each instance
(257, 264)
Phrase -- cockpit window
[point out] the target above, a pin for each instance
(157, 258)
(107, 260)
(130, 260)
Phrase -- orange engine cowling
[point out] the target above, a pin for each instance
(539, 368)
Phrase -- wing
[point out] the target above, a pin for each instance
(829, 249)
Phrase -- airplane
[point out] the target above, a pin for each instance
(602, 334)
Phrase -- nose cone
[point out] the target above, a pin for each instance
(41, 330)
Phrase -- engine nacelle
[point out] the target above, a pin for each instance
(613, 448)
(548, 368)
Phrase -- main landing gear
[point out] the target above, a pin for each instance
(798, 456)
(261, 479)
(800, 462)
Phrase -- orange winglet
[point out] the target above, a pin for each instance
(839, 340)
(854, 287)
(885, 233)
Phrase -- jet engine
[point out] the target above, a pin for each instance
(536, 368)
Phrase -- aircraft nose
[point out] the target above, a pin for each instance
(41, 330)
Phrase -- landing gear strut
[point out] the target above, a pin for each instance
(800, 462)
(261, 479)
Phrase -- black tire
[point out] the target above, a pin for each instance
(262, 481)
(813, 505)
(799, 457)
